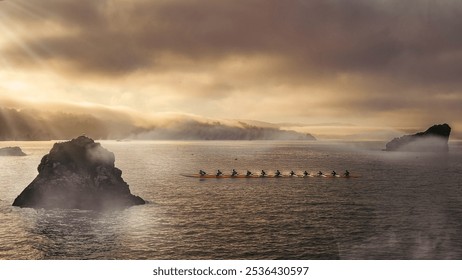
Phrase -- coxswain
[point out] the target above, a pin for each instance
(248, 173)
(219, 173)
(347, 173)
(234, 173)
(292, 173)
(202, 172)
(278, 173)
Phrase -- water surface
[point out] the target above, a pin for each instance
(404, 205)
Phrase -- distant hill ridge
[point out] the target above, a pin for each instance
(39, 125)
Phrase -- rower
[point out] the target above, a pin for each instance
(219, 173)
(234, 173)
(347, 173)
(278, 173)
(334, 173)
(306, 174)
(263, 173)
(292, 173)
(202, 172)
(248, 173)
(319, 173)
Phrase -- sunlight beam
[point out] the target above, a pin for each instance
(12, 34)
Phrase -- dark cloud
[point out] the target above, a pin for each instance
(371, 56)
(416, 39)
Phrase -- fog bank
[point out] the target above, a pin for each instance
(105, 123)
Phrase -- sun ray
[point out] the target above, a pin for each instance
(13, 34)
(10, 34)
(29, 9)
(9, 122)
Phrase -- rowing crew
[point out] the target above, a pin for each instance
(276, 174)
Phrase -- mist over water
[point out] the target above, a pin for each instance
(35, 123)
(404, 206)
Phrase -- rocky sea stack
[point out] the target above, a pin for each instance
(78, 174)
(434, 139)
(12, 151)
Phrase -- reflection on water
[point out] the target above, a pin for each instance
(71, 234)
(404, 205)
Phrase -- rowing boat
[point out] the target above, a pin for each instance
(208, 176)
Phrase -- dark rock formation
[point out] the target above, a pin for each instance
(12, 151)
(433, 139)
(78, 174)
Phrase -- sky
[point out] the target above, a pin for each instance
(323, 66)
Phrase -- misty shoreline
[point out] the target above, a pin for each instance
(37, 125)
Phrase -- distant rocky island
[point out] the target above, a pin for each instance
(78, 174)
(12, 151)
(433, 139)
